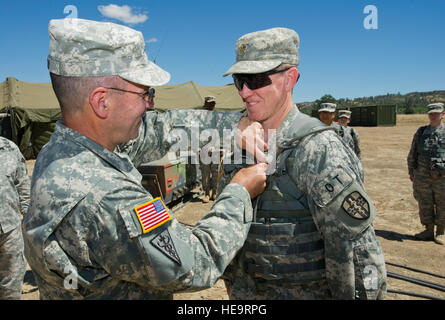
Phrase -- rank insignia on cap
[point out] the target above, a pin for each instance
(242, 49)
(152, 214)
(164, 243)
(356, 206)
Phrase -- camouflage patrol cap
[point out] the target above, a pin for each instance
(327, 106)
(84, 48)
(209, 99)
(435, 107)
(265, 50)
(344, 113)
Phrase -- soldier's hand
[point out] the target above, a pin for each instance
(253, 178)
(411, 177)
(250, 137)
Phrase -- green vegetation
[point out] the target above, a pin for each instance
(413, 102)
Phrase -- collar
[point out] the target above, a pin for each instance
(119, 161)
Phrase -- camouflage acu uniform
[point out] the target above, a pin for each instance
(209, 169)
(348, 134)
(352, 139)
(338, 128)
(312, 235)
(14, 193)
(86, 233)
(82, 217)
(209, 177)
(426, 162)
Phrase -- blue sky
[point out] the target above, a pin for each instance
(195, 40)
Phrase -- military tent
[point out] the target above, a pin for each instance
(191, 95)
(28, 111)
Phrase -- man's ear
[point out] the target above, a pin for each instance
(292, 77)
(98, 102)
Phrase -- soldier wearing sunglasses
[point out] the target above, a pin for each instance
(312, 233)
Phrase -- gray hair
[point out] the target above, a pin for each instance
(72, 92)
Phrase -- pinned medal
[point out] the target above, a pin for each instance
(152, 214)
(220, 168)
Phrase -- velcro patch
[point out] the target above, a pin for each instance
(330, 186)
(152, 214)
(356, 206)
(164, 243)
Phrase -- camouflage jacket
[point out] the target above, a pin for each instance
(84, 240)
(14, 186)
(427, 149)
(322, 165)
(352, 139)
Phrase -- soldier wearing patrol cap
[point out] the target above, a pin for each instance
(327, 112)
(209, 171)
(350, 135)
(92, 231)
(312, 236)
(426, 169)
(209, 103)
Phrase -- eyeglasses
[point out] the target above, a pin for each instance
(254, 80)
(150, 93)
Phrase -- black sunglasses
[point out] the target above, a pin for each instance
(254, 80)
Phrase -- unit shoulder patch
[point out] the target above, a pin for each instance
(164, 243)
(356, 206)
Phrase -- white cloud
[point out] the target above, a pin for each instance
(122, 13)
(152, 40)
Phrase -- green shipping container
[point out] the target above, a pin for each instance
(372, 116)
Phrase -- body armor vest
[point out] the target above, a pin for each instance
(283, 241)
(431, 150)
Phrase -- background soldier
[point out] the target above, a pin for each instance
(92, 231)
(426, 168)
(312, 235)
(327, 112)
(350, 135)
(14, 192)
(209, 171)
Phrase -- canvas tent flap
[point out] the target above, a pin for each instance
(34, 109)
(190, 95)
(28, 95)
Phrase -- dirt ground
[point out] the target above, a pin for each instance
(384, 152)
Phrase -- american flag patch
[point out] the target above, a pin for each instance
(152, 214)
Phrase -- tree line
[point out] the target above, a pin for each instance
(410, 103)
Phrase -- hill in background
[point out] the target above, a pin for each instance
(413, 102)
